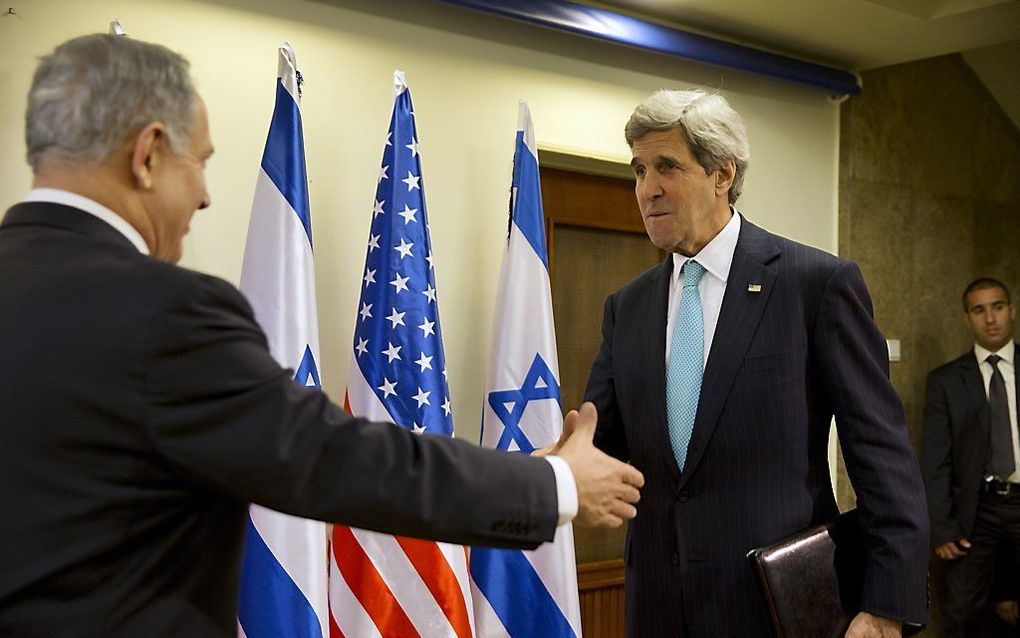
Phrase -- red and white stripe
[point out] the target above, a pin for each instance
(383, 585)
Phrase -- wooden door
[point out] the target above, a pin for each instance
(597, 243)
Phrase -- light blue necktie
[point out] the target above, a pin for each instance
(686, 364)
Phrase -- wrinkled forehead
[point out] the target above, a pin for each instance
(659, 144)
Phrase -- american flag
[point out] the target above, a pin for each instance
(383, 585)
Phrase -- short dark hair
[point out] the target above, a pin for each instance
(982, 283)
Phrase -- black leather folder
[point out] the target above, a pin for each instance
(812, 579)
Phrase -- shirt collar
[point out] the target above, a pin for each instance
(717, 255)
(92, 207)
(1005, 353)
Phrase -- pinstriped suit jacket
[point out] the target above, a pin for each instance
(783, 361)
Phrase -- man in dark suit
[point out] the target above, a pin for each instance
(718, 376)
(142, 411)
(970, 458)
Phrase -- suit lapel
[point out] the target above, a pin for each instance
(653, 350)
(738, 318)
(975, 386)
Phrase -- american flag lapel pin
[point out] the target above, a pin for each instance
(753, 287)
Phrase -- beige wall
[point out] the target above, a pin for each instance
(466, 73)
(929, 200)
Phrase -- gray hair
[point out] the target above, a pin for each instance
(95, 91)
(715, 132)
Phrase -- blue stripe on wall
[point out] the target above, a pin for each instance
(609, 26)
(517, 595)
(271, 604)
(284, 157)
(528, 208)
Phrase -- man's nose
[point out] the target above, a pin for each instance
(650, 188)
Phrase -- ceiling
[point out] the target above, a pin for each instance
(858, 35)
(851, 34)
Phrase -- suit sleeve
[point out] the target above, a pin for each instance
(937, 463)
(227, 418)
(880, 460)
(609, 435)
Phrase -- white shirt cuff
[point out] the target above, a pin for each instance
(566, 489)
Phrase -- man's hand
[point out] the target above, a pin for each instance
(952, 550)
(1008, 611)
(606, 488)
(865, 625)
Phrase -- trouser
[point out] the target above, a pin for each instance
(995, 546)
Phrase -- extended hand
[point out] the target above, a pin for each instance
(865, 625)
(951, 550)
(606, 488)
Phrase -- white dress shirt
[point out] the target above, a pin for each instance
(56, 196)
(716, 257)
(566, 486)
(1007, 367)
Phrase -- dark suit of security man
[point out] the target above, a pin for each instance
(971, 459)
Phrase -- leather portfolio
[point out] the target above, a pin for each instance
(812, 580)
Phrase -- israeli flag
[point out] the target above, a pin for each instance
(283, 582)
(525, 593)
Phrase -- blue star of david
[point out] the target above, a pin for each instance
(307, 368)
(518, 400)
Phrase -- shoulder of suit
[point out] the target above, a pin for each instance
(796, 258)
(159, 273)
(807, 264)
(953, 367)
(201, 286)
(804, 256)
(160, 285)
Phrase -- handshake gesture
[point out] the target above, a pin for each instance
(607, 489)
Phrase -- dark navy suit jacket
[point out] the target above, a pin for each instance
(784, 360)
(140, 414)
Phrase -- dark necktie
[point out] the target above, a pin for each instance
(1001, 432)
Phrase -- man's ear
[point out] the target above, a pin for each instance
(724, 176)
(147, 152)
